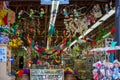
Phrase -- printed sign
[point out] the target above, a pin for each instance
(3, 52)
(47, 74)
(49, 2)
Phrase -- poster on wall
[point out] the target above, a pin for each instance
(3, 52)
(49, 2)
(47, 74)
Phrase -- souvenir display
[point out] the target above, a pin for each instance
(59, 40)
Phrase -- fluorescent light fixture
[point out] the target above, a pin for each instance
(105, 17)
(55, 6)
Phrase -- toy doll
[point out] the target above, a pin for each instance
(95, 74)
(106, 8)
(76, 13)
(116, 70)
(109, 72)
(65, 13)
(101, 72)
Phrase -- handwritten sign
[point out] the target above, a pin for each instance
(3, 55)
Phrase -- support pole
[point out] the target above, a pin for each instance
(117, 26)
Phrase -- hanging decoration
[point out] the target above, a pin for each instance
(107, 8)
(15, 43)
(78, 25)
(66, 14)
(76, 13)
(31, 13)
(42, 12)
(19, 14)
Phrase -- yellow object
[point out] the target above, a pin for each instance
(15, 45)
(19, 43)
(10, 44)
(2, 14)
(14, 40)
(1, 22)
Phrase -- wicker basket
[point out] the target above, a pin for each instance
(69, 77)
(25, 77)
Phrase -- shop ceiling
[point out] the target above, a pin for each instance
(17, 5)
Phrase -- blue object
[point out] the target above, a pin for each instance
(112, 57)
(113, 44)
(49, 2)
(52, 30)
(12, 60)
(117, 26)
(58, 47)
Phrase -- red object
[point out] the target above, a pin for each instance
(70, 37)
(112, 30)
(31, 30)
(64, 32)
(66, 65)
(64, 40)
(5, 19)
(21, 72)
(58, 53)
(94, 42)
(84, 38)
(111, 51)
(40, 50)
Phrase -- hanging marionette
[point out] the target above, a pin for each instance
(106, 8)
(20, 13)
(92, 18)
(76, 13)
(66, 14)
(31, 13)
(110, 4)
(42, 12)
